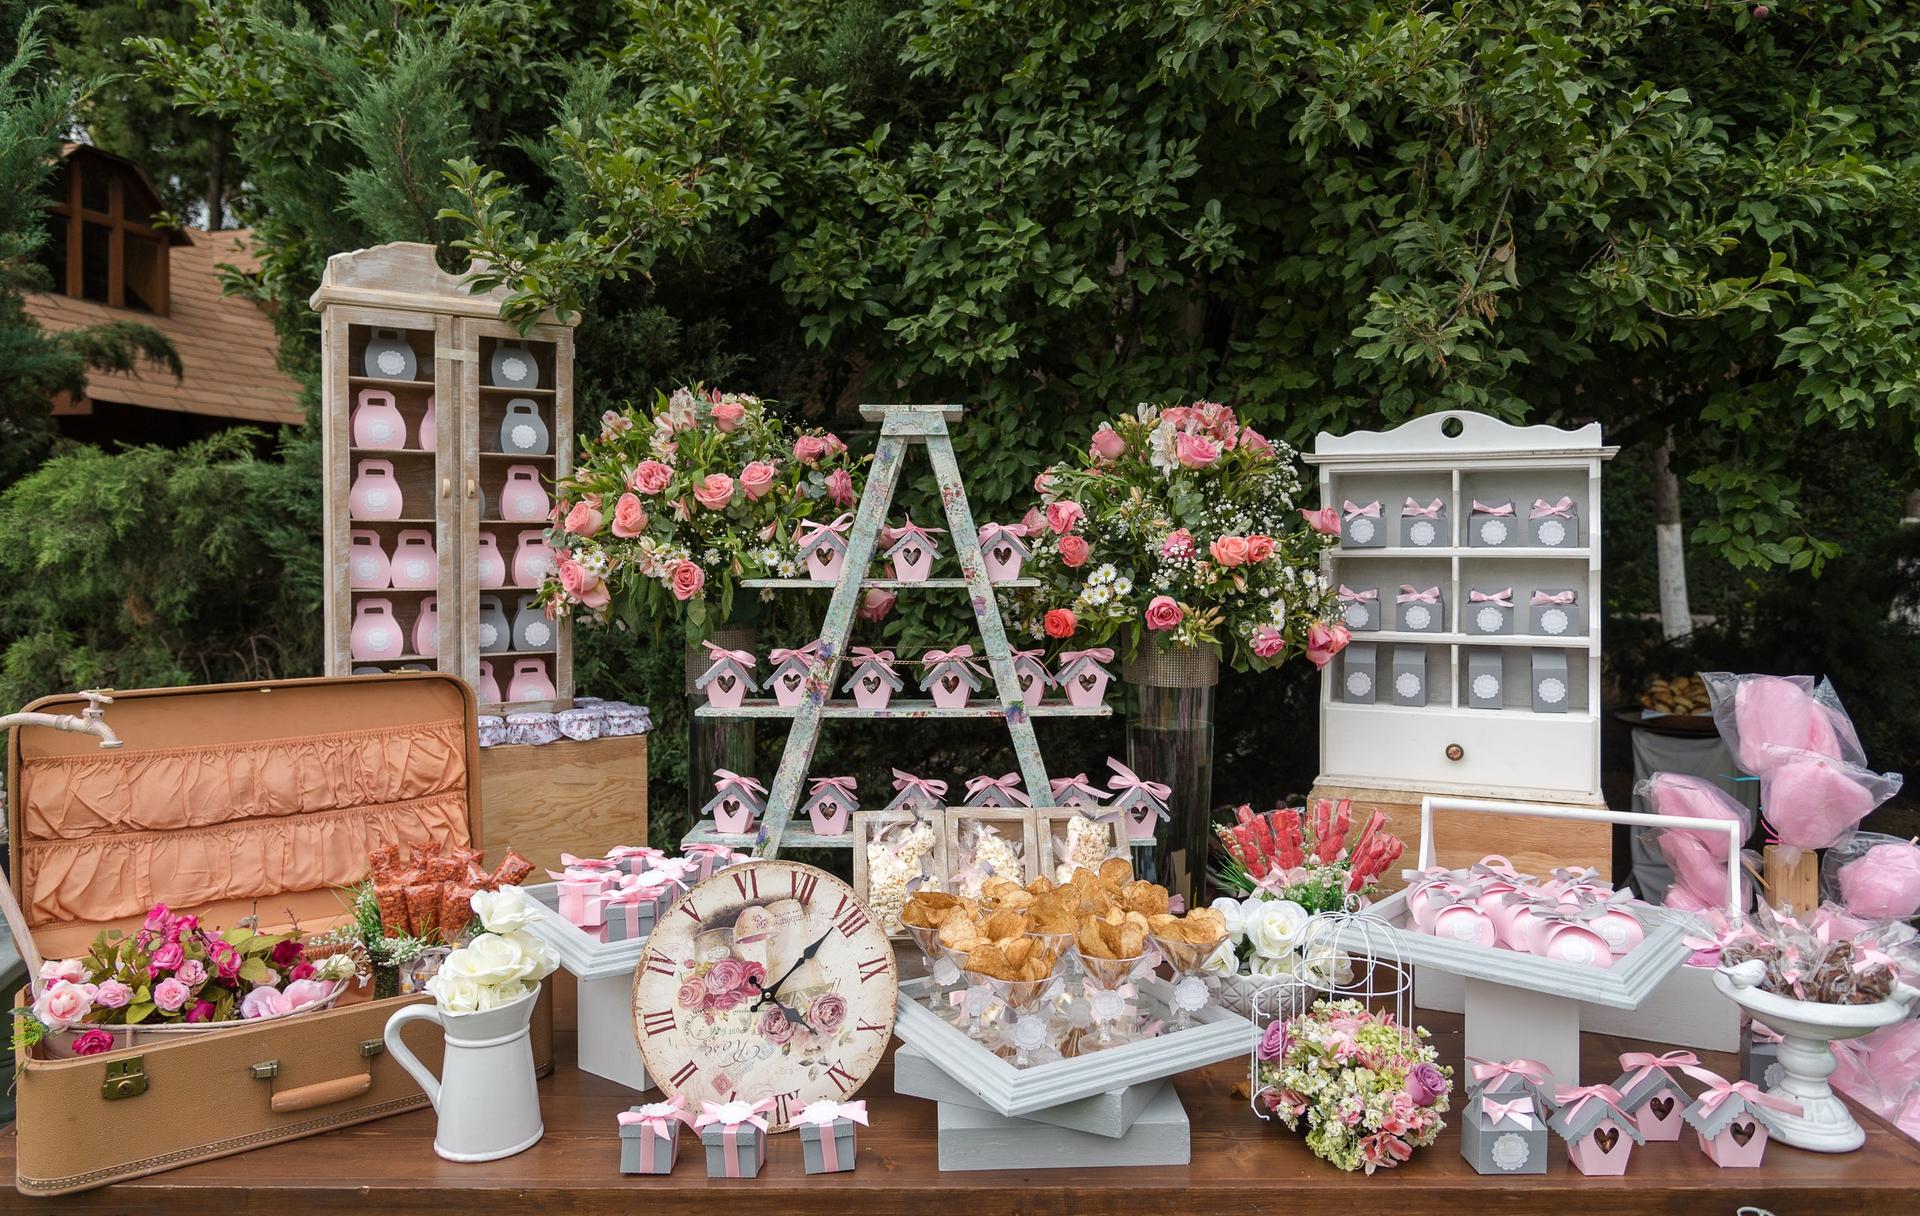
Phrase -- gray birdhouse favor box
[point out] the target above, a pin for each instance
(1493, 525)
(1360, 608)
(1030, 670)
(1732, 1130)
(1421, 609)
(1554, 525)
(1409, 675)
(1599, 1135)
(1504, 1134)
(727, 681)
(1554, 612)
(1361, 525)
(1423, 525)
(1490, 610)
(1650, 1094)
(1359, 675)
(916, 793)
(1551, 690)
(1486, 680)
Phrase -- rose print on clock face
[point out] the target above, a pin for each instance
(768, 980)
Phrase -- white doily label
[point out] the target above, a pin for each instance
(538, 633)
(1421, 532)
(1030, 1032)
(1486, 686)
(1554, 621)
(1407, 684)
(1360, 529)
(1190, 994)
(380, 429)
(523, 436)
(1493, 531)
(391, 362)
(513, 368)
(1489, 619)
(378, 639)
(945, 971)
(1511, 1151)
(488, 634)
(1419, 616)
(1108, 1005)
(377, 500)
(1553, 532)
(1356, 616)
(416, 570)
(1553, 690)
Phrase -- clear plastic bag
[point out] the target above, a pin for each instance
(1873, 875)
(1819, 959)
(1755, 712)
(1696, 798)
(989, 843)
(1813, 801)
(1076, 838)
(902, 854)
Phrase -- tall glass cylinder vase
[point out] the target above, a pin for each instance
(716, 742)
(1170, 740)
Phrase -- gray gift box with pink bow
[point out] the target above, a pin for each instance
(1555, 524)
(1504, 1134)
(1420, 609)
(1555, 612)
(1489, 610)
(1360, 608)
(638, 1156)
(1362, 525)
(1423, 525)
(1493, 525)
(841, 1133)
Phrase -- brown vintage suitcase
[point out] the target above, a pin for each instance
(229, 800)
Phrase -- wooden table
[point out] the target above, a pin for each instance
(1240, 1166)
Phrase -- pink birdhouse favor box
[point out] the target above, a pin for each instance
(831, 802)
(1076, 791)
(911, 548)
(1651, 1094)
(917, 793)
(952, 676)
(874, 680)
(737, 801)
(1004, 550)
(1734, 1120)
(792, 672)
(1600, 1135)
(823, 547)
(1143, 802)
(1001, 791)
(1030, 672)
(728, 681)
(1084, 676)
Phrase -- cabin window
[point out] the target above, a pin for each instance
(102, 245)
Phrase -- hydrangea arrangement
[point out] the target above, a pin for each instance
(666, 509)
(1368, 1089)
(1181, 523)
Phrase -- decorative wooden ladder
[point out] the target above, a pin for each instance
(900, 427)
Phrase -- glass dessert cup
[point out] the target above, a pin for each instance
(1023, 1005)
(1190, 993)
(1107, 980)
(943, 969)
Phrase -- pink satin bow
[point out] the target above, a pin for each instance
(1348, 595)
(1502, 599)
(1719, 1090)
(742, 657)
(1371, 510)
(1553, 597)
(1493, 1070)
(716, 1112)
(1125, 779)
(932, 787)
(1076, 784)
(1571, 1100)
(810, 532)
(1481, 508)
(588, 863)
(1520, 1111)
(1412, 595)
(1008, 783)
(825, 1111)
(1430, 511)
(657, 1115)
(620, 852)
(911, 529)
(961, 654)
(844, 784)
(1763, 1033)
(723, 776)
(719, 852)
(809, 652)
(991, 533)
(1099, 654)
(1643, 1064)
(867, 654)
(1542, 508)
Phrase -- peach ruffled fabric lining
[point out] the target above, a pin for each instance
(112, 836)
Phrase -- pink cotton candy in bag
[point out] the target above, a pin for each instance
(1755, 712)
(1814, 801)
(1696, 798)
(1883, 882)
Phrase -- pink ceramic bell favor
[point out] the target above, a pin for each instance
(375, 494)
(415, 565)
(429, 429)
(523, 500)
(489, 690)
(1620, 928)
(376, 635)
(368, 568)
(426, 628)
(377, 422)
(532, 559)
(530, 681)
(492, 571)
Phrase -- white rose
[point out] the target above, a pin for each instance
(1236, 915)
(494, 959)
(454, 993)
(506, 910)
(1324, 967)
(537, 952)
(501, 994)
(1224, 960)
(1277, 967)
(1273, 926)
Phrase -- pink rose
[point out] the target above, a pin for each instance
(1259, 549)
(775, 1027)
(71, 970)
(63, 1003)
(1074, 551)
(629, 517)
(1163, 613)
(192, 973)
(834, 446)
(876, 603)
(840, 487)
(1063, 515)
(1273, 1041)
(686, 580)
(728, 416)
(1032, 522)
(1324, 641)
(169, 994)
(582, 586)
(1043, 482)
(651, 477)
(727, 975)
(756, 978)
(202, 1011)
(1325, 521)
(1179, 544)
(301, 993)
(756, 479)
(302, 972)
(1267, 642)
(1229, 551)
(92, 1042)
(827, 1012)
(1253, 441)
(1060, 623)
(1107, 444)
(585, 518)
(1194, 451)
(808, 449)
(714, 492)
(1426, 1084)
(167, 957)
(266, 1001)
(158, 917)
(724, 1001)
(115, 995)
(693, 995)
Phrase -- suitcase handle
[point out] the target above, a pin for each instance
(320, 1093)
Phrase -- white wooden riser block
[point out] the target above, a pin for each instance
(1109, 1114)
(1505, 1023)
(608, 1047)
(1684, 1011)
(982, 1140)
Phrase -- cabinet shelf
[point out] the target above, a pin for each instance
(1503, 551)
(1471, 639)
(516, 654)
(386, 382)
(899, 709)
(360, 451)
(500, 390)
(394, 590)
(808, 584)
(518, 456)
(408, 523)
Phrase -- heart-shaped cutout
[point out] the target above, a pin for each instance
(950, 683)
(791, 679)
(1002, 554)
(1741, 1133)
(871, 683)
(1606, 1137)
(726, 683)
(1662, 1107)
(729, 805)
(1088, 680)
(911, 555)
(1026, 683)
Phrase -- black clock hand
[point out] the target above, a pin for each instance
(767, 991)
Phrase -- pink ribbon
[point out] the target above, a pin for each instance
(1519, 1111)
(723, 776)
(1008, 784)
(867, 654)
(1481, 508)
(1076, 784)
(912, 529)
(807, 653)
(934, 789)
(1643, 1064)
(711, 1113)
(587, 863)
(1348, 595)
(620, 852)
(628, 903)
(1500, 599)
(1542, 508)
(823, 1115)
(1371, 510)
(1571, 1100)
(961, 654)
(844, 784)
(811, 533)
(1099, 654)
(1125, 779)
(1430, 511)
(1410, 595)
(1719, 1090)
(992, 534)
(1485, 1071)
(1762, 1033)
(742, 657)
(657, 1121)
(1555, 597)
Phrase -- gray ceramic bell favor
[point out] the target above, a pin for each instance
(1490, 610)
(1551, 689)
(1485, 680)
(496, 635)
(514, 366)
(1359, 673)
(531, 628)
(522, 431)
(390, 358)
(1409, 675)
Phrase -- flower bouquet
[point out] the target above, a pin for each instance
(1368, 1088)
(1181, 523)
(172, 975)
(501, 964)
(665, 510)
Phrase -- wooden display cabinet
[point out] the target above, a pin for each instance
(397, 329)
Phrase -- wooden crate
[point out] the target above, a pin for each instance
(1535, 846)
(564, 796)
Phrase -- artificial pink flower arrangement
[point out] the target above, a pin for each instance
(1181, 524)
(666, 509)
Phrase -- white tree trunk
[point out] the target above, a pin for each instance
(1670, 545)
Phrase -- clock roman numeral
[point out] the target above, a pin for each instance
(660, 964)
(873, 968)
(783, 1106)
(748, 880)
(686, 905)
(686, 1074)
(873, 1026)
(855, 920)
(840, 907)
(660, 1021)
(803, 885)
(844, 1080)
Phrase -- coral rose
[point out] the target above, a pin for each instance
(1324, 641)
(1179, 543)
(651, 477)
(876, 603)
(1259, 549)
(1060, 623)
(629, 517)
(1253, 441)
(585, 517)
(1229, 550)
(728, 415)
(1164, 614)
(808, 449)
(1074, 551)
(714, 492)
(1325, 521)
(756, 479)
(687, 580)
(1063, 515)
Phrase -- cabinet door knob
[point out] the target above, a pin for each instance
(1455, 751)
(446, 486)
(469, 487)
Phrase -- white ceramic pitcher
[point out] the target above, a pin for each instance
(485, 1093)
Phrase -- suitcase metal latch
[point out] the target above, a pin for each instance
(125, 1079)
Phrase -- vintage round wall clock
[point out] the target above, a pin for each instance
(768, 980)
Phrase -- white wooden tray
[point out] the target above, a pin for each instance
(579, 952)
